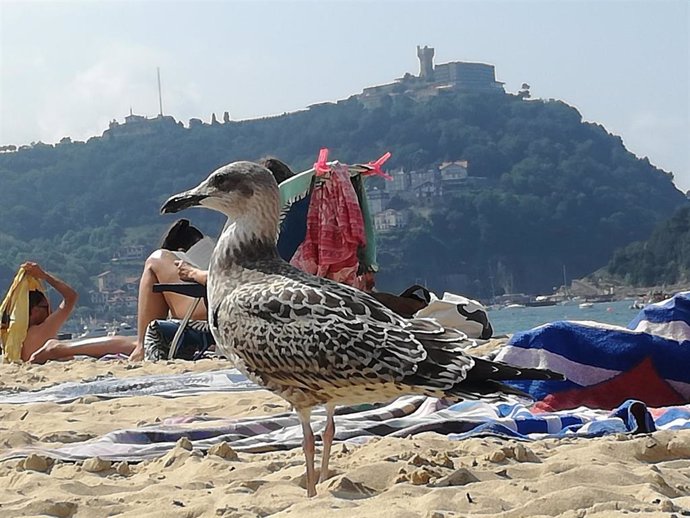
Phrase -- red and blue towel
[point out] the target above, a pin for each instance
(606, 365)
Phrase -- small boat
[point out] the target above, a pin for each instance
(514, 306)
(585, 305)
(537, 303)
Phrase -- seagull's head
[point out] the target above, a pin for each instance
(237, 189)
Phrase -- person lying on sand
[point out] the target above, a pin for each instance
(41, 341)
(42, 345)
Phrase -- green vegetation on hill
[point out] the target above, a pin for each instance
(664, 258)
(557, 190)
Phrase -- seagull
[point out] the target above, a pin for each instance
(314, 341)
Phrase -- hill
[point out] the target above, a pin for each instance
(550, 190)
(664, 258)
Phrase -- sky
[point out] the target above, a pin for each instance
(69, 68)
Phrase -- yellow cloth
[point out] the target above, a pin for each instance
(14, 313)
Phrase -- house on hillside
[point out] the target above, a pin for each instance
(377, 200)
(427, 189)
(390, 219)
(98, 298)
(400, 181)
(453, 175)
(130, 253)
(108, 281)
(131, 284)
(453, 170)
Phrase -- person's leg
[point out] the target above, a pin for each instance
(95, 347)
(160, 268)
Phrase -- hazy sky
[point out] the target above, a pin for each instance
(68, 68)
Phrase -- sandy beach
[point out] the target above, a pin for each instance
(425, 475)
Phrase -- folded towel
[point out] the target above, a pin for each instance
(604, 364)
(14, 313)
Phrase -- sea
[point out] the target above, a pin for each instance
(511, 320)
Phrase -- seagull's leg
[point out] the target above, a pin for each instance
(308, 447)
(327, 437)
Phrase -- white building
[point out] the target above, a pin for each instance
(390, 219)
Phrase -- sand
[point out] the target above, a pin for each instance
(422, 476)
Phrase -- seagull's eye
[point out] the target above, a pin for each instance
(230, 183)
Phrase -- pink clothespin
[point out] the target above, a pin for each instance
(376, 166)
(320, 166)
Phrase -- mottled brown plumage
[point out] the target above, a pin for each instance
(311, 340)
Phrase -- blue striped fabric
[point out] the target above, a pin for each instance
(403, 417)
(653, 351)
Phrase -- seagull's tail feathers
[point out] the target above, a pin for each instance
(488, 390)
(447, 369)
(499, 371)
(485, 380)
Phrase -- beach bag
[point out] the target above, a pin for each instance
(195, 342)
(406, 304)
(461, 313)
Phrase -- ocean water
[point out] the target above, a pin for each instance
(512, 320)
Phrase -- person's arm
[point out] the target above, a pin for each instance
(57, 318)
(187, 272)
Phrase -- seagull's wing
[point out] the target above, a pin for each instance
(316, 331)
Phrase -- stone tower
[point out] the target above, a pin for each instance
(426, 62)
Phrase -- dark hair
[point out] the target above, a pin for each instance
(181, 236)
(281, 171)
(35, 298)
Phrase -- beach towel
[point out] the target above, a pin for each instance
(604, 364)
(161, 385)
(335, 230)
(299, 188)
(404, 417)
(14, 315)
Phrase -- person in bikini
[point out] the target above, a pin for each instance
(41, 343)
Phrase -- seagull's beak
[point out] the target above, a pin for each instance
(184, 200)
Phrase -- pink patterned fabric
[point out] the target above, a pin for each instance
(335, 231)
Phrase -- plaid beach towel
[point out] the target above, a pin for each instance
(168, 385)
(403, 417)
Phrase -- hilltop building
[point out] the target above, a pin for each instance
(140, 125)
(434, 79)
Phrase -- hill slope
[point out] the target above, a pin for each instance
(664, 258)
(556, 190)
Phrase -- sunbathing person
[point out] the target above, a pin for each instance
(164, 267)
(41, 341)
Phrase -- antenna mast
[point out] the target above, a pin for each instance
(160, 96)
